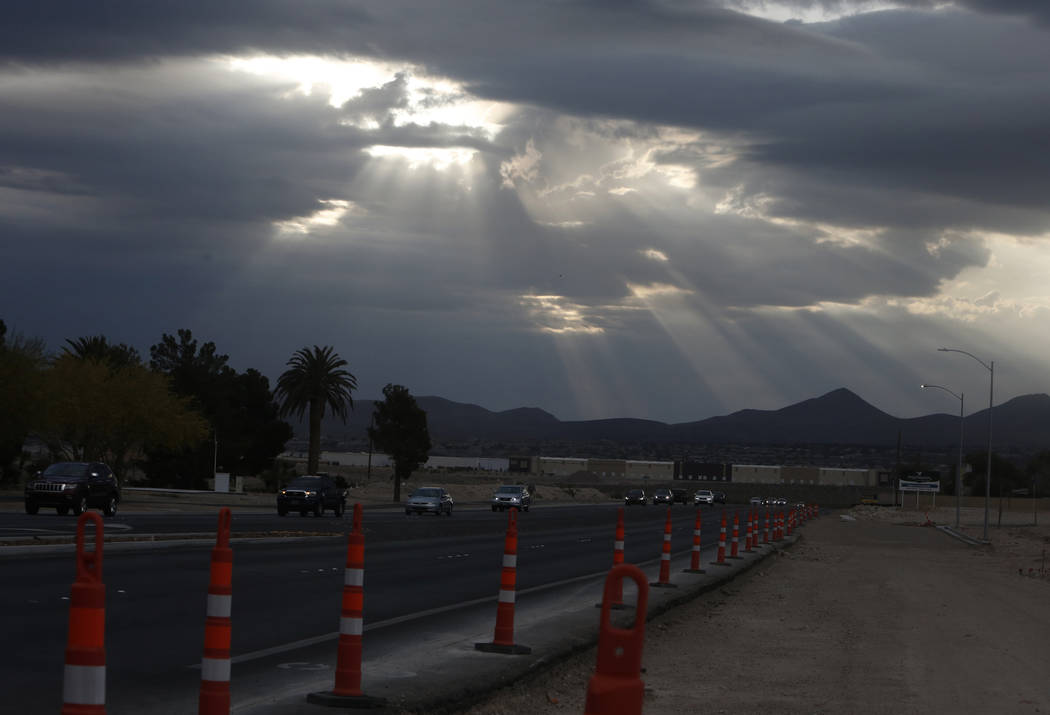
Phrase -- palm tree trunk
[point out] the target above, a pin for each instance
(314, 455)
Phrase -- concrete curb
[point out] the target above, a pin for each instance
(963, 537)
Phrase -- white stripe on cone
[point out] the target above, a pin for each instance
(84, 685)
(506, 596)
(354, 577)
(350, 626)
(510, 561)
(215, 669)
(219, 606)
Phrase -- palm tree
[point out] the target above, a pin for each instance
(315, 381)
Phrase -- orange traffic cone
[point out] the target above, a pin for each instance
(721, 561)
(84, 680)
(215, 664)
(616, 688)
(617, 595)
(503, 642)
(735, 546)
(665, 557)
(694, 559)
(347, 691)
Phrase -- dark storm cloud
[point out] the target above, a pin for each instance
(103, 30)
(159, 183)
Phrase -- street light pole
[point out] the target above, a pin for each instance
(990, 367)
(958, 469)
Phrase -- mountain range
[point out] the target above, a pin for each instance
(838, 417)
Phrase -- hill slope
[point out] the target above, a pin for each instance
(838, 417)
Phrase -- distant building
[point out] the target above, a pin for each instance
(756, 474)
(703, 471)
(638, 469)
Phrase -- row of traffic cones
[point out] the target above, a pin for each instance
(84, 679)
(616, 688)
(616, 679)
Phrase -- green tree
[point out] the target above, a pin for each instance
(96, 412)
(99, 349)
(399, 429)
(246, 433)
(315, 382)
(22, 362)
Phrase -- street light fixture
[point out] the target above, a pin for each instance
(990, 367)
(958, 470)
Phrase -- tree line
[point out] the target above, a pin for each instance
(185, 413)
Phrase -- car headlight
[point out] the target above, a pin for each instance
(284, 493)
(311, 494)
(69, 487)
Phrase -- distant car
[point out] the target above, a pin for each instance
(512, 496)
(780, 501)
(313, 493)
(757, 501)
(635, 496)
(703, 496)
(679, 496)
(429, 499)
(720, 497)
(663, 496)
(74, 486)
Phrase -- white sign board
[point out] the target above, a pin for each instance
(222, 481)
(907, 485)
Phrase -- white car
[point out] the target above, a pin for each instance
(703, 496)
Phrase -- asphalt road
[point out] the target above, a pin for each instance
(288, 591)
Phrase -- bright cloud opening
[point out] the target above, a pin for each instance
(427, 100)
(416, 157)
(327, 217)
(555, 314)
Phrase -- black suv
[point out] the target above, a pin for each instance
(311, 494)
(680, 496)
(76, 486)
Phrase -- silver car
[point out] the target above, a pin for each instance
(703, 496)
(429, 499)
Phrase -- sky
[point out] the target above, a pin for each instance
(665, 209)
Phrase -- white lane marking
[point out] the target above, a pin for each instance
(302, 666)
(66, 532)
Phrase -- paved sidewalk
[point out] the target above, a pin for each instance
(858, 617)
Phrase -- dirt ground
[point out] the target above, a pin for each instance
(871, 613)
